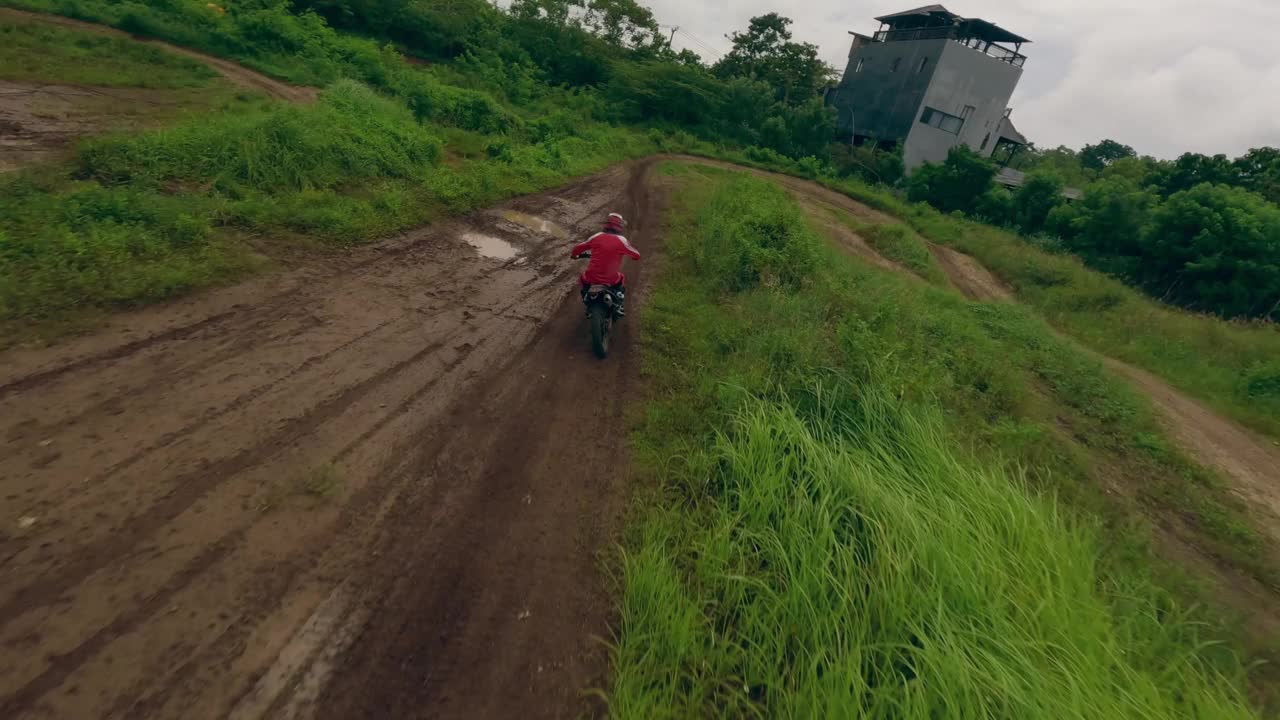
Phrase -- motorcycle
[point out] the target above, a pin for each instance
(602, 303)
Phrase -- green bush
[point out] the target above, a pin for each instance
(759, 237)
(955, 185)
(901, 244)
(1039, 195)
(351, 133)
(868, 163)
(1214, 248)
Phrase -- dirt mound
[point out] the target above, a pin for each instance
(969, 277)
(213, 502)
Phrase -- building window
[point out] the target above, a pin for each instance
(945, 122)
(985, 140)
(897, 63)
(861, 62)
(968, 110)
(923, 62)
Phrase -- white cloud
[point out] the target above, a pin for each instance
(1166, 76)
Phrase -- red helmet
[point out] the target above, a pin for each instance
(615, 222)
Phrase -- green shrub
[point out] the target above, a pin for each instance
(868, 163)
(902, 245)
(351, 133)
(1039, 195)
(1214, 248)
(956, 184)
(758, 237)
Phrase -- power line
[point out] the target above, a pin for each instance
(698, 41)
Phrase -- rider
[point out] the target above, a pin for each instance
(607, 249)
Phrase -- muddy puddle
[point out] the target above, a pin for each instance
(490, 246)
(540, 226)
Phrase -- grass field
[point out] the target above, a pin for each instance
(32, 51)
(1234, 366)
(868, 505)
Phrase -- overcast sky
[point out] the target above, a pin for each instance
(1165, 76)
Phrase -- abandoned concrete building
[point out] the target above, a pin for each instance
(930, 80)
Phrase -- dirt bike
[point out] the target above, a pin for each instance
(603, 303)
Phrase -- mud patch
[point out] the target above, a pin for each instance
(490, 246)
(540, 226)
(40, 123)
(154, 581)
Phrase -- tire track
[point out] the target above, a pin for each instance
(405, 333)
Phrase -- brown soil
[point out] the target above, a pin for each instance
(391, 471)
(39, 122)
(969, 277)
(1249, 462)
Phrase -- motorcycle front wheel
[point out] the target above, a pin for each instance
(599, 316)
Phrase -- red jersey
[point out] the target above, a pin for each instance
(607, 251)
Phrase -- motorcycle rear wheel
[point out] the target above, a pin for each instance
(599, 316)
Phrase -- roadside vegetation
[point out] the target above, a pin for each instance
(877, 499)
(33, 51)
(1232, 365)
(1200, 233)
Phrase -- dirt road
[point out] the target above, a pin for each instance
(392, 470)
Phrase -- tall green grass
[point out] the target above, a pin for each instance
(37, 52)
(352, 135)
(874, 573)
(844, 526)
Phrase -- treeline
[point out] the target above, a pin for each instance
(611, 55)
(1199, 232)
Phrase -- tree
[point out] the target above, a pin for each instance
(1214, 248)
(995, 206)
(555, 12)
(1137, 170)
(766, 52)
(1192, 169)
(664, 92)
(624, 23)
(1097, 157)
(1061, 161)
(1040, 193)
(956, 184)
(1106, 227)
(1259, 171)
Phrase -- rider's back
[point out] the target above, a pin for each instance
(607, 251)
